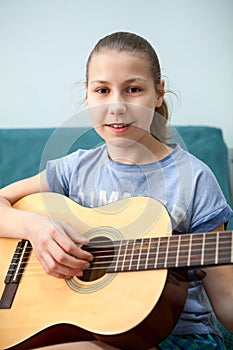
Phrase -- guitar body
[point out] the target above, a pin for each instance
(121, 308)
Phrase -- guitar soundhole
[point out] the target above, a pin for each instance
(103, 252)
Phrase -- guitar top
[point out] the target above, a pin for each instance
(127, 297)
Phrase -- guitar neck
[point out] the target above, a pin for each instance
(185, 250)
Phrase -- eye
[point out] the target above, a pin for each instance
(133, 89)
(102, 90)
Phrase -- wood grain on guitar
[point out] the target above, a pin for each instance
(133, 292)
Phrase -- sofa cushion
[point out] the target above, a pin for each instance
(24, 152)
(207, 144)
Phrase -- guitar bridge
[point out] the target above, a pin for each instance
(14, 273)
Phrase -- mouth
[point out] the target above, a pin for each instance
(117, 126)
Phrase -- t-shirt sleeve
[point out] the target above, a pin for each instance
(58, 173)
(210, 208)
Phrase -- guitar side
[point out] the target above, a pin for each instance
(114, 307)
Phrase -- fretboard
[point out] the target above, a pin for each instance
(202, 249)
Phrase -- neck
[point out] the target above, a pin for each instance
(134, 152)
(185, 250)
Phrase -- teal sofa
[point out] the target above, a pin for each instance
(24, 152)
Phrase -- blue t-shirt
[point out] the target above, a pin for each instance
(184, 184)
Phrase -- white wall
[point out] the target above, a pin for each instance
(44, 45)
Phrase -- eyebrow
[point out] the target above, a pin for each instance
(128, 81)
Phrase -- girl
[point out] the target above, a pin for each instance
(125, 97)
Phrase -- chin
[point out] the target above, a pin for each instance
(121, 142)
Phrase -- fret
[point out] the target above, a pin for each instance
(148, 254)
(183, 250)
(216, 248)
(196, 250)
(135, 253)
(153, 253)
(145, 248)
(139, 255)
(118, 256)
(172, 256)
(211, 245)
(178, 251)
(166, 254)
(132, 254)
(189, 251)
(224, 255)
(157, 253)
(128, 255)
(124, 256)
(203, 249)
(162, 252)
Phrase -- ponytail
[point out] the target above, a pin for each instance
(158, 126)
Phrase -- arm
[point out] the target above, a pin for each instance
(54, 245)
(218, 284)
(13, 221)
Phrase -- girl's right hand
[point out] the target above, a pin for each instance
(55, 242)
(56, 245)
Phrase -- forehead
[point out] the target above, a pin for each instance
(112, 62)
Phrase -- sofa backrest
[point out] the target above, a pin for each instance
(24, 152)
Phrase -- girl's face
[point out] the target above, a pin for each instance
(121, 96)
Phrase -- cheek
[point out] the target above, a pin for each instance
(97, 114)
(143, 116)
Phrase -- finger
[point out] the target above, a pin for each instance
(73, 233)
(62, 270)
(72, 250)
(63, 237)
(68, 259)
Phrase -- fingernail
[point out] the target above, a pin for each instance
(86, 265)
(84, 240)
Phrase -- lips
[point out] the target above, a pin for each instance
(117, 126)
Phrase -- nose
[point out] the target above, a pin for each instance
(117, 108)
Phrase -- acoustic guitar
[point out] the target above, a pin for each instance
(133, 292)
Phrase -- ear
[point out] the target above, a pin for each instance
(160, 94)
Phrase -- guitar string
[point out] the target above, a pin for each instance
(196, 240)
(101, 264)
(173, 244)
(38, 270)
(184, 237)
(196, 249)
(196, 246)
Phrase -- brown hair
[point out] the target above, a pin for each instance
(125, 41)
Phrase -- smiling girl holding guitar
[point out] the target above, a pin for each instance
(125, 98)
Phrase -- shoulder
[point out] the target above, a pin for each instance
(61, 172)
(184, 159)
(189, 166)
(206, 205)
(83, 155)
(68, 163)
